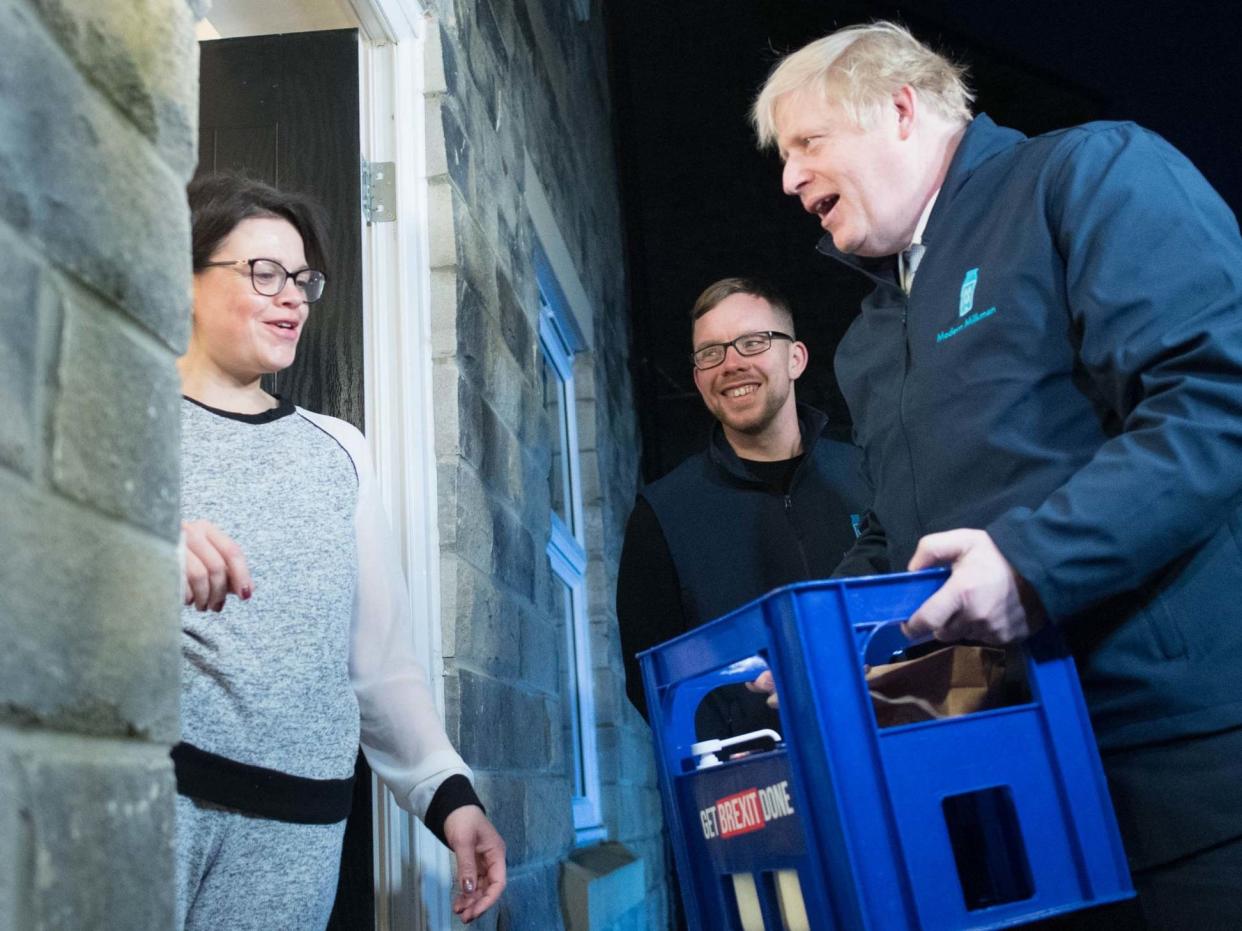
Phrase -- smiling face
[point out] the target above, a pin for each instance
(240, 334)
(863, 184)
(751, 396)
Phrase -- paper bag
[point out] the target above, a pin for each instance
(952, 681)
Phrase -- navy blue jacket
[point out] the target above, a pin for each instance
(1067, 374)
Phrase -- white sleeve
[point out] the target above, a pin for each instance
(402, 734)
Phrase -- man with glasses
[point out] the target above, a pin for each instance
(771, 501)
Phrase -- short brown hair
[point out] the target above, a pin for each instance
(716, 292)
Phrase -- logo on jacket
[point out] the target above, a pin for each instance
(966, 304)
(967, 298)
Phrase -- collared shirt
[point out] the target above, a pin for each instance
(908, 260)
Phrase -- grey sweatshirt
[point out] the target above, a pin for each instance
(321, 655)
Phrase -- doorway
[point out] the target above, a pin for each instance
(284, 109)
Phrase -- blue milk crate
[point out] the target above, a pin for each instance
(987, 820)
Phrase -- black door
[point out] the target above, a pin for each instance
(284, 109)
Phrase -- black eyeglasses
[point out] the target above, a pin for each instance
(268, 277)
(748, 344)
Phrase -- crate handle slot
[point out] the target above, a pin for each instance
(880, 644)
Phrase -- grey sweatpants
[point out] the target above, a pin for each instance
(246, 873)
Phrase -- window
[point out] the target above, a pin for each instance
(567, 553)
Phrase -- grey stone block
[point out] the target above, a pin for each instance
(98, 825)
(477, 241)
(452, 707)
(546, 798)
(530, 902)
(593, 517)
(516, 328)
(495, 18)
(556, 711)
(436, 148)
(608, 754)
(446, 411)
(448, 58)
(469, 515)
(605, 647)
(456, 148)
(502, 726)
(442, 236)
(444, 311)
(485, 73)
(514, 258)
(513, 552)
(629, 808)
(488, 443)
(542, 652)
(532, 423)
(116, 421)
(16, 880)
(585, 409)
(609, 696)
(91, 641)
(87, 186)
(446, 504)
(487, 624)
(592, 481)
(638, 752)
(143, 56)
(21, 357)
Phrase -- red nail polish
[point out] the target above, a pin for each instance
(246, 593)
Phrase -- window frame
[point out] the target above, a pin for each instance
(567, 556)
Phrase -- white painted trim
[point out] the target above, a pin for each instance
(412, 869)
(384, 21)
(558, 255)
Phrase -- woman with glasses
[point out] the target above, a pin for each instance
(296, 641)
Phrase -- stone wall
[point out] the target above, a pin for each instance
(520, 91)
(97, 140)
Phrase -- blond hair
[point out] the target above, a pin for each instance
(861, 67)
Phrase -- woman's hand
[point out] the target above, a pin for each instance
(480, 854)
(214, 566)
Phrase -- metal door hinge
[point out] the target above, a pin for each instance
(379, 191)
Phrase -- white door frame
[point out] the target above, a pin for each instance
(412, 869)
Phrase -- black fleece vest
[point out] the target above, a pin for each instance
(734, 538)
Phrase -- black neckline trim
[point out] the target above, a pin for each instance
(283, 408)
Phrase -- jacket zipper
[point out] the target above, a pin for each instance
(901, 415)
(806, 566)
